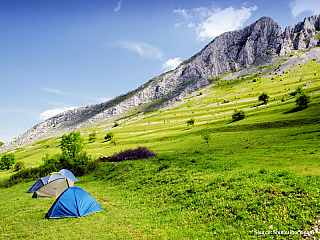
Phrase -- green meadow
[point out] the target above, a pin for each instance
(254, 178)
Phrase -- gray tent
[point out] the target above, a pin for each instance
(54, 188)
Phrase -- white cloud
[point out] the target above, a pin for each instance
(299, 6)
(118, 7)
(222, 21)
(213, 21)
(171, 63)
(143, 49)
(183, 12)
(52, 112)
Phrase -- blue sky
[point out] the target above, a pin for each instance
(61, 54)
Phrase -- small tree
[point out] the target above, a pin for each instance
(302, 100)
(238, 115)
(207, 137)
(1, 143)
(264, 97)
(7, 161)
(93, 136)
(114, 141)
(71, 145)
(109, 136)
(191, 122)
(299, 90)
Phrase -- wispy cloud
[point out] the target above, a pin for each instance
(52, 112)
(118, 7)
(59, 92)
(171, 63)
(300, 6)
(213, 21)
(143, 49)
(183, 12)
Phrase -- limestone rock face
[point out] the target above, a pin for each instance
(259, 43)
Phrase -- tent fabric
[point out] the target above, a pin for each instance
(36, 186)
(68, 174)
(73, 202)
(62, 174)
(53, 188)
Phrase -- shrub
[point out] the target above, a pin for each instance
(238, 115)
(116, 124)
(93, 137)
(131, 154)
(18, 166)
(302, 100)
(1, 143)
(264, 97)
(113, 141)
(7, 160)
(109, 136)
(191, 122)
(299, 90)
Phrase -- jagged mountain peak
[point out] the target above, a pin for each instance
(259, 43)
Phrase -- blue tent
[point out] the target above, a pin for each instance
(62, 174)
(74, 202)
(45, 180)
(68, 174)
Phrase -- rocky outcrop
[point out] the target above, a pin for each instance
(305, 34)
(259, 43)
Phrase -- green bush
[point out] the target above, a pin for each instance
(109, 136)
(113, 141)
(238, 115)
(264, 97)
(1, 143)
(302, 100)
(7, 160)
(116, 124)
(93, 137)
(191, 122)
(18, 166)
(299, 90)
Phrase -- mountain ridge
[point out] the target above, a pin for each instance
(259, 43)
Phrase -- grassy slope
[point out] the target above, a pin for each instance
(258, 172)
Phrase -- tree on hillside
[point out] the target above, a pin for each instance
(7, 160)
(264, 97)
(1, 143)
(206, 137)
(92, 136)
(299, 90)
(109, 136)
(238, 115)
(302, 100)
(71, 145)
(191, 122)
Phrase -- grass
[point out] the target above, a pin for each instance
(258, 174)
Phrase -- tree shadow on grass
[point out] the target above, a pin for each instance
(296, 109)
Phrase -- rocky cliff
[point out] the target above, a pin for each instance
(259, 43)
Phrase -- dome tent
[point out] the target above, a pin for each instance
(73, 202)
(62, 174)
(53, 188)
(68, 174)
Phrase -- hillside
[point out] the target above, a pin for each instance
(261, 43)
(256, 178)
